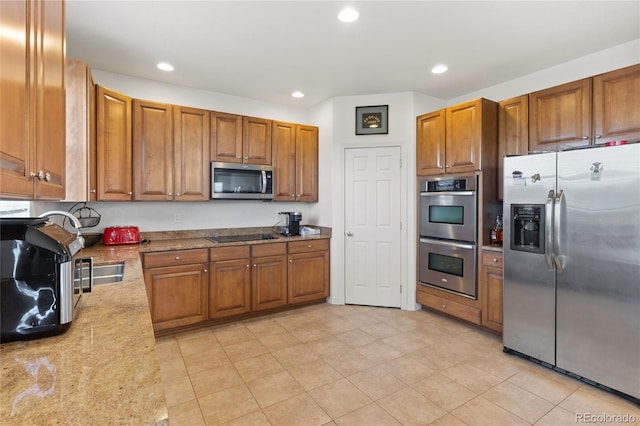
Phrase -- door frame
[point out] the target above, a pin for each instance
(407, 245)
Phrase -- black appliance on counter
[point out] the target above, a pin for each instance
(291, 223)
(37, 291)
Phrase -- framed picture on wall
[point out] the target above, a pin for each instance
(372, 120)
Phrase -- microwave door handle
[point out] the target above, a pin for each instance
(557, 217)
(264, 182)
(548, 229)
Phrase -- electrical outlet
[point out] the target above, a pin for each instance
(177, 218)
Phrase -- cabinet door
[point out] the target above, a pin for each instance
(616, 105)
(492, 281)
(431, 143)
(513, 132)
(50, 124)
(177, 295)
(113, 146)
(560, 116)
(268, 282)
(229, 288)
(306, 163)
(16, 153)
(284, 161)
(191, 141)
(308, 276)
(256, 141)
(463, 137)
(152, 151)
(226, 137)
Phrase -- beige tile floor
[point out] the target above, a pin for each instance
(355, 365)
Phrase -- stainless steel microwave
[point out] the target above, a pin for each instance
(236, 181)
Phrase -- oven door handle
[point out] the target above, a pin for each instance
(433, 194)
(446, 243)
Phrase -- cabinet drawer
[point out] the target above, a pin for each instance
(307, 246)
(467, 313)
(175, 257)
(229, 253)
(261, 250)
(492, 258)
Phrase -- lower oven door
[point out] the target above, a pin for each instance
(449, 266)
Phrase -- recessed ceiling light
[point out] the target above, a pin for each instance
(297, 94)
(348, 14)
(165, 66)
(439, 69)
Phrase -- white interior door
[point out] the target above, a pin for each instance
(372, 226)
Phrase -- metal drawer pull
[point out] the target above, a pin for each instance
(495, 260)
(177, 257)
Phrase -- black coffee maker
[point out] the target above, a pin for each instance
(291, 225)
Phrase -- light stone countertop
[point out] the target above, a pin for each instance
(104, 369)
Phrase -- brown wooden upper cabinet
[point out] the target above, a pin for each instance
(616, 105)
(171, 152)
(295, 161)
(591, 111)
(560, 116)
(456, 139)
(32, 123)
(114, 150)
(240, 139)
(513, 131)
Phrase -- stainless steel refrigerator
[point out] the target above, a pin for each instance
(572, 262)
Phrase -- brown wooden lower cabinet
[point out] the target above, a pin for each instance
(230, 281)
(491, 281)
(449, 307)
(177, 292)
(308, 270)
(268, 276)
(187, 287)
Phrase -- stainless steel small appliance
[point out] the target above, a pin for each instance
(237, 181)
(291, 225)
(37, 293)
(447, 253)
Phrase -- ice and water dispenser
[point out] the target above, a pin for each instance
(527, 225)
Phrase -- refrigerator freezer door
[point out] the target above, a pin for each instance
(529, 282)
(598, 288)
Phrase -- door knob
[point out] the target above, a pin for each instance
(349, 234)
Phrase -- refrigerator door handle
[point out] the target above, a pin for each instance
(556, 228)
(548, 227)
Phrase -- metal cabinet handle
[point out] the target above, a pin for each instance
(129, 193)
(585, 138)
(92, 191)
(254, 265)
(290, 260)
(177, 257)
(349, 234)
(177, 194)
(444, 306)
(206, 270)
(495, 260)
(598, 136)
(47, 177)
(169, 194)
(248, 266)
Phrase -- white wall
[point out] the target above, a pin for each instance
(597, 63)
(402, 129)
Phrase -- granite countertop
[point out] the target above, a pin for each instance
(104, 368)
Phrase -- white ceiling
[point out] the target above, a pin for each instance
(267, 49)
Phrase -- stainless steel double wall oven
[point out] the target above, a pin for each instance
(448, 217)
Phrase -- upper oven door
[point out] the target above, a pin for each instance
(450, 215)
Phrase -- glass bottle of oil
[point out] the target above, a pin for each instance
(496, 232)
